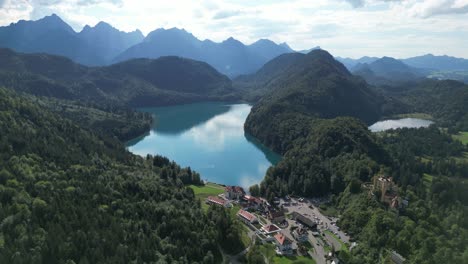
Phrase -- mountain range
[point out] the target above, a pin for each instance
(92, 46)
(440, 63)
(230, 57)
(103, 45)
(391, 71)
(427, 62)
(387, 71)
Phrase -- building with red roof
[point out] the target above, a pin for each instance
(247, 217)
(283, 243)
(217, 201)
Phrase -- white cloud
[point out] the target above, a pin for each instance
(430, 8)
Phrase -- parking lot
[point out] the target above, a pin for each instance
(306, 208)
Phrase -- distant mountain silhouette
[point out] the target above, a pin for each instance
(442, 63)
(437, 67)
(387, 70)
(351, 63)
(230, 57)
(49, 35)
(103, 45)
(269, 49)
(107, 41)
(92, 46)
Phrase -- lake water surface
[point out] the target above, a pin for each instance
(210, 138)
(400, 123)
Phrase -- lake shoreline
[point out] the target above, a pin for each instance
(210, 138)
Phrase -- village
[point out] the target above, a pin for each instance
(296, 226)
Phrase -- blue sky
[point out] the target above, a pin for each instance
(347, 28)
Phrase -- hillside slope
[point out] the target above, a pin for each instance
(312, 86)
(139, 82)
(59, 191)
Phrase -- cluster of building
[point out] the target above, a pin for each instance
(271, 232)
(237, 195)
(253, 208)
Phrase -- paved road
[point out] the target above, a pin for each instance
(234, 259)
(319, 251)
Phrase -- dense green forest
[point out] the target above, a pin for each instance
(109, 120)
(446, 101)
(323, 154)
(138, 82)
(314, 86)
(68, 195)
(433, 228)
(69, 191)
(339, 155)
(334, 152)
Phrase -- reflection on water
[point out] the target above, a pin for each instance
(210, 138)
(178, 119)
(400, 123)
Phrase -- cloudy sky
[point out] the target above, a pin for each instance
(348, 28)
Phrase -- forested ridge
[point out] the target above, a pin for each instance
(136, 83)
(68, 195)
(312, 86)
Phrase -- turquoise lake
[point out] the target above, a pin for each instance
(210, 138)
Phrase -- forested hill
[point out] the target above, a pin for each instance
(324, 153)
(314, 85)
(139, 82)
(324, 158)
(256, 84)
(446, 101)
(69, 196)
